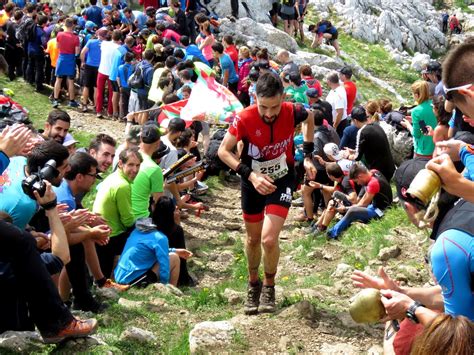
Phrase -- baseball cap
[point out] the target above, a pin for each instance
(150, 133)
(432, 67)
(405, 174)
(90, 25)
(162, 150)
(347, 71)
(313, 93)
(332, 151)
(69, 140)
(133, 134)
(177, 125)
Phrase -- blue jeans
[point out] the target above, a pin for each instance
(355, 213)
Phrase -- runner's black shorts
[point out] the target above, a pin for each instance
(89, 76)
(255, 206)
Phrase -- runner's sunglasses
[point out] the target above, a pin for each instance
(448, 91)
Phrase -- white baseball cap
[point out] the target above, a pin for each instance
(332, 151)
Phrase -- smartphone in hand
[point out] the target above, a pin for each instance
(423, 127)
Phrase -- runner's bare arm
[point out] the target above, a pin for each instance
(262, 183)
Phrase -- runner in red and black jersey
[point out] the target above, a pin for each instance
(266, 166)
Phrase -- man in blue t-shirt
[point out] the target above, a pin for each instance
(94, 13)
(230, 78)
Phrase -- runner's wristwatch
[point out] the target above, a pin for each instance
(411, 312)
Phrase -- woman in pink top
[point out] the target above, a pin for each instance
(205, 40)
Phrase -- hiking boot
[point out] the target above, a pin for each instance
(253, 297)
(267, 300)
(55, 103)
(90, 306)
(76, 329)
(113, 285)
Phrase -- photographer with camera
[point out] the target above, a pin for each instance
(48, 161)
(340, 196)
(34, 282)
(377, 197)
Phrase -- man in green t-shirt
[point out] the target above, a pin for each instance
(149, 181)
(114, 203)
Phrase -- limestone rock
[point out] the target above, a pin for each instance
(389, 253)
(138, 334)
(420, 60)
(315, 255)
(20, 341)
(173, 290)
(211, 337)
(252, 33)
(233, 297)
(83, 344)
(107, 293)
(130, 304)
(342, 270)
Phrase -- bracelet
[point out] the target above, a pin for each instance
(50, 205)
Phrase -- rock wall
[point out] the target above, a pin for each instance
(403, 24)
(255, 9)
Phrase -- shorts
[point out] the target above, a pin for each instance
(53, 263)
(149, 277)
(254, 205)
(286, 17)
(89, 76)
(66, 66)
(115, 87)
(335, 35)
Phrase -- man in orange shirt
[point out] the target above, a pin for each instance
(53, 52)
(345, 75)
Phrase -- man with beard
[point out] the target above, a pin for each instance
(13, 200)
(57, 125)
(266, 167)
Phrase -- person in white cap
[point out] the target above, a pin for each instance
(70, 143)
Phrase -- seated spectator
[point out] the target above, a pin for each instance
(377, 198)
(297, 89)
(338, 202)
(147, 187)
(441, 132)
(132, 140)
(102, 149)
(146, 257)
(372, 109)
(114, 204)
(309, 79)
(57, 125)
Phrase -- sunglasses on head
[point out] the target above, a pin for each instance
(449, 91)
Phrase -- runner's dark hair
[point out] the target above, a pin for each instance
(269, 85)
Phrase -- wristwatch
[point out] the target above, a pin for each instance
(412, 310)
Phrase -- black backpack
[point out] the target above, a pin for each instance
(26, 30)
(137, 79)
(214, 164)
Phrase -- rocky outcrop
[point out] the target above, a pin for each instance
(211, 337)
(263, 35)
(405, 24)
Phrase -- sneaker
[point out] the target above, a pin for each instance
(99, 115)
(267, 300)
(76, 329)
(90, 306)
(253, 297)
(110, 284)
(73, 103)
(55, 103)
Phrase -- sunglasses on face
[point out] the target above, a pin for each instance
(449, 91)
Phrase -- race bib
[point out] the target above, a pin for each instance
(275, 168)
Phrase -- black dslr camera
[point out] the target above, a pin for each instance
(35, 182)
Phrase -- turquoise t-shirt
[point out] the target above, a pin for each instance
(12, 198)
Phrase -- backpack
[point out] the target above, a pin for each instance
(137, 79)
(214, 164)
(26, 30)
